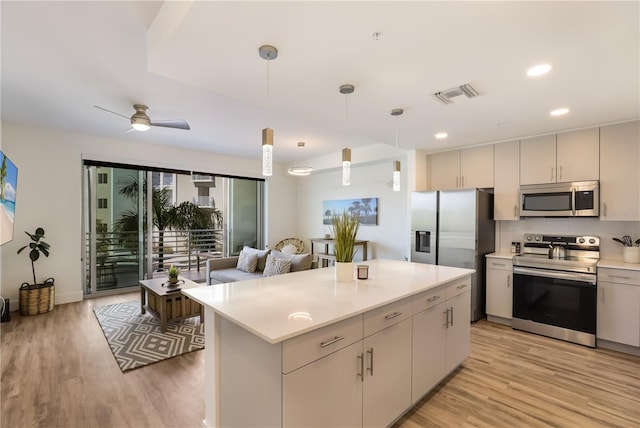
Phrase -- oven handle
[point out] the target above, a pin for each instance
(569, 276)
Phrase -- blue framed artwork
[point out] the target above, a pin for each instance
(367, 208)
(8, 186)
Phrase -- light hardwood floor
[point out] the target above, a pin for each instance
(58, 371)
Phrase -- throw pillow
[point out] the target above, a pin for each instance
(298, 261)
(262, 256)
(276, 266)
(247, 262)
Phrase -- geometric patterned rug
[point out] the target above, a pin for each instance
(136, 339)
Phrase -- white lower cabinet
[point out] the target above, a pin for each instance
(441, 335)
(387, 375)
(325, 393)
(618, 306)
(458, 330)
(429, 342)
(499, 286)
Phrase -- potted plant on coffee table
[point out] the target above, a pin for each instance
(345, 229)
(36, 298)
(173, 275)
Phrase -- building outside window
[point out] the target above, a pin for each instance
(102, 203)
(102, 178)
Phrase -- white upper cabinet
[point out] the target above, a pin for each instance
(462, 169)
(578, 155)
(476, 167)
(444, 170)
(569, 156)
(620, 172)
(538, 160)
(507, 181)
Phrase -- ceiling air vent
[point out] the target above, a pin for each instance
(445, 96)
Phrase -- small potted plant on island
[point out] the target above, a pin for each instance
(173, 275)
(345, 229)
(36, 298)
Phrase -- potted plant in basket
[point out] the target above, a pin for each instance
(345, 229)
(36, 298)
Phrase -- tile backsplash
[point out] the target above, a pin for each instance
(513, 231)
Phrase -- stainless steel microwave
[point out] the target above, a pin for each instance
(574, 199)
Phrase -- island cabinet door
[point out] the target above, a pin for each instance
(326, 392)
(387, 374)
(458, 330)
(429, 342)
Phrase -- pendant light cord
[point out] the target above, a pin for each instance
(268, 99)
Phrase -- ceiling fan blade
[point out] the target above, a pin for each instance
(112, 112)
(178, 124)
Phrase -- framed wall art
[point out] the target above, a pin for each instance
(367, 208)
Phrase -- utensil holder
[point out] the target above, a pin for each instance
(631, 254)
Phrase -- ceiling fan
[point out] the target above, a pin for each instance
(140, 121)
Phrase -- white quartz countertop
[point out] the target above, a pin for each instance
(501, 255)
(618, 264)
(279, 307)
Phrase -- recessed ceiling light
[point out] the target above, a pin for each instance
(441, 135)
(538, 70)
(559, 111)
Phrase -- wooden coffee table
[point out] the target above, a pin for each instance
(168, 303)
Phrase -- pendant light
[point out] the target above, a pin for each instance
(346, 89)
(268, 53)
(396, 164)
(300, 170)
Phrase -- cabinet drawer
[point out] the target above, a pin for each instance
(619, 276)
(457, 287)
(308, 347)
(501, 264)
(429, 299)
(388, 315)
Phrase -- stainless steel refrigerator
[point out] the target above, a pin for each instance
(455, 228)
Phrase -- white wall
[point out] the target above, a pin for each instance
(49, 195)
(389, 239)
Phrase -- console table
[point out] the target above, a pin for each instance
(324, 257)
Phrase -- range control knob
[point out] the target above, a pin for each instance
(529, 238)
(592, 241)
(581, 240)
(538, 238)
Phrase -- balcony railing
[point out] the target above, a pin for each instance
(182, 248)
(204, 201)
(118, 262)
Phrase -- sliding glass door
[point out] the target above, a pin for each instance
(114, 228)
(132, 231)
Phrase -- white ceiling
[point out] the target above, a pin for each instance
(199, 61)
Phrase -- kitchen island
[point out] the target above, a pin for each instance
(303, 350)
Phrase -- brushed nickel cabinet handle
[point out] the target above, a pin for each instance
(361, 374)
(433, 299)
(370, 368)
(461, 286)
(392, 316)
(452, 316)
(331, 342)
(560, 175)
(552, 173)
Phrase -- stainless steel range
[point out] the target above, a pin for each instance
(554, 287)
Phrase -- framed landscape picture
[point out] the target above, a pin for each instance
(8, 186)
(366, 207)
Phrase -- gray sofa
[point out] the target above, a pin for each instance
(221, 270)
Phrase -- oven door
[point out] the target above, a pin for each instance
(557, 298)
